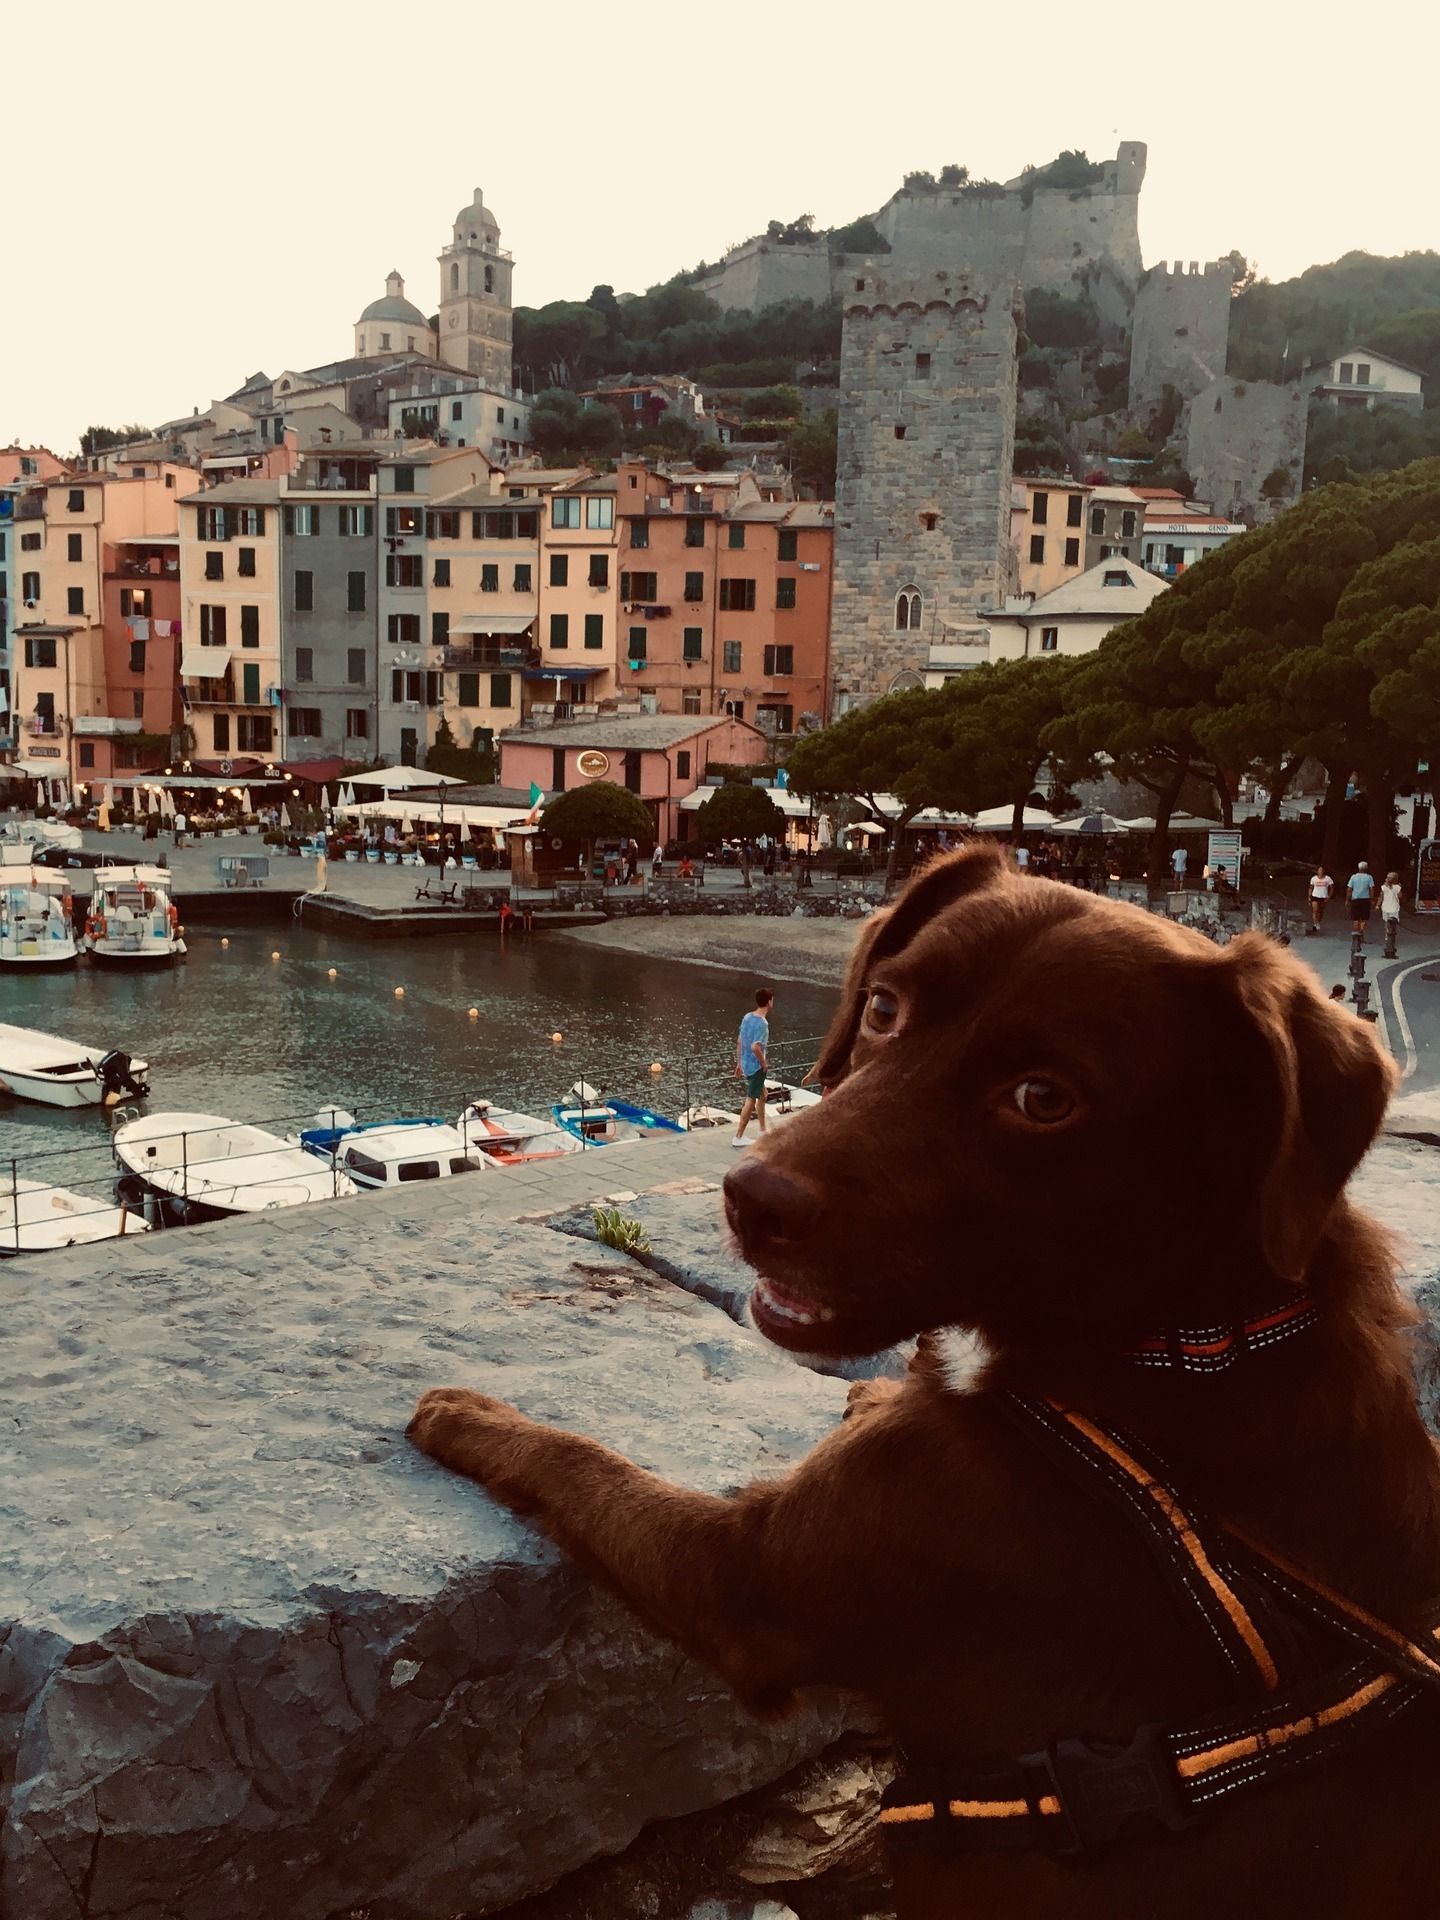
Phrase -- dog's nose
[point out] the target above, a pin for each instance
(766, 1206)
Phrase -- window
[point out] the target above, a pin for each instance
(637, 646)
(779, 662)
(559, 630)
(1075, 510)
(220, 732)
(303, 522)
(412, 687)
(303, 723)
(214, 566)
(1037, 549)
(522, 577)
(1049, 639)
(682, 764)
(29, 586)
(87, 754)
(29, 543)
(75, 600)
(737, 596)
(789, 543)
(500, 690)
(692, 643)
(355, 666)
(599, 512)
(246, 567)
(444, 526)
(637, 586)
(922, 366)
(214, 523)
(489, 279)
(454, 276)
(1097, 520)
(304, 591)
(737, 538)
(304, 665)
(355, 592)
(565, 513)
(442, 574)
(357, 723)
(250, 521)
(899, 431)
(1127, 524)
(557, 769)
(690, 700)
(694, 533)
(1117, 578)
(1347, 373)
(467, 689)
(76, 502)
(384, 340)
(404, 480)
(785, 593)
(694, 586)
(74, 546)
(404, 629)
(594, 630)
(457, 410)
(250, 623)
(1040, 509)
(640, 535)
(1072, 553)
(907, 610)
(559, 570)
(599, 570)
(490, 577)
(357, 521)
(137, 711)
(40, 651)
(403, 570)
(929, 521)
(730, 655)
(137, 656)
(212, 626)
(250, 684)
(440, 628)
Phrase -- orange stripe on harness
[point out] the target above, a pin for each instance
(1185, 1533)
(1197, 1764)
(1048, 1803)
(1380, 1629)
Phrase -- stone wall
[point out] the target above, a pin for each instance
(1181, 331)
(759, 273)
(925, 457)
(1236, 434)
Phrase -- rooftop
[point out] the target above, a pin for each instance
(1095, 592)
(237, 493)
(654, 731)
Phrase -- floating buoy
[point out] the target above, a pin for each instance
(473, 1013)
(399, 993)
(657, 1066)
(331, 974)
(557, 1038)
(224, 943)
(275, 956)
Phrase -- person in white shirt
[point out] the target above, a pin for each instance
(1322, 885)
(1390, 897)
(1179, 859)
(1022, 857)
(1360, 892)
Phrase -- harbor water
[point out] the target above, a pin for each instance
(232, 1031)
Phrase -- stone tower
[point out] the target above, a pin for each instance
(922, 499)
(1180, 334)
(475, 310)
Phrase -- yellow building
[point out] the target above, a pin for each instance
(579, 586)
(230, 662)
(483, 562)
(1047, 528)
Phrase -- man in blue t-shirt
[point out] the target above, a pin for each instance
(1360, 891)
(752, 1062)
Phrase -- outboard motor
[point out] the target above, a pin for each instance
(117, 1079)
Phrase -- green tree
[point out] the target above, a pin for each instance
(736, 812)
(674, 434)
(774, 403)
(555, 417)
(1060, 320)
(598, 811)
(861, 236)
(559, 342)
(811, 446)
(996, 717)
(473, 764)
(892, 746)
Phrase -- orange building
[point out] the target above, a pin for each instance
(724, 597)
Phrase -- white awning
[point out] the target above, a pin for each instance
(492, 623)
(396, 779)
(203, 663)
(787, 803)
(431, 812)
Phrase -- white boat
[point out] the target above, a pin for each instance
(185, 1167)
(383, 1154)
(132, 918)
(35, 1218)
(37, 925)
(781, 1099)
(507, 1138)
(66, 1073)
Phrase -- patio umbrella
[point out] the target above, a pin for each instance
(407, 825)
(284, 816)
(109, 794)
(245, 801)
(1091, 823)
(347, 795)
(167, 803)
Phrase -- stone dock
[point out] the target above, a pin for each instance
(258, 1657)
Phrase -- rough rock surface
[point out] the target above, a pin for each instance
(1400, 1184)
(259, 1657)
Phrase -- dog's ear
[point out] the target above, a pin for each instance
(1329, 1083)
(942, 882)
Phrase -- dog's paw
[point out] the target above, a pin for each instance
(870, 1396)
(475, 1435)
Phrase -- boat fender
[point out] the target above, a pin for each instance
(172, 914)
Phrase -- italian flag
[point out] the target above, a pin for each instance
(537, 801)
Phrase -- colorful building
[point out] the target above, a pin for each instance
(231, 670)
(1047, 531)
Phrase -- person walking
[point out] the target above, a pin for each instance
(752, 1063)
(1360, 892)
(1179, 860)
(1322, 885)
(657, 860)
(1390, 906)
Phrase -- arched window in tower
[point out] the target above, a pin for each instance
(454, 276)
(907, 610)
(489, 279)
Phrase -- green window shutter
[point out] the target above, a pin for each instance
(594, 630)
(440, 629)
(251, 680)
(468, 691)
(559, 630)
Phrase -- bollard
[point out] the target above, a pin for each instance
(1362, 999)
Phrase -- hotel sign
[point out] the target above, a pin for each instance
(592, 763)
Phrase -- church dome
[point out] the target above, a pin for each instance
(476, 219)
(394, 305)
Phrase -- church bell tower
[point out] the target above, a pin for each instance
(475, 310)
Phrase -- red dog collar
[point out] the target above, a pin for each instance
(1213, 1349)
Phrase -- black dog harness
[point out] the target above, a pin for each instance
(1079, 1795)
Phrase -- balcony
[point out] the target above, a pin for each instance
(498, 654)
(103, 726)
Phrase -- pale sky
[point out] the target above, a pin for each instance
(197, 193)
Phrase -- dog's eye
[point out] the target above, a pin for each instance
(1043, 1101)
(882, 1010)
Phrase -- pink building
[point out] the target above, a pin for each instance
(20, 465)
(660, 756)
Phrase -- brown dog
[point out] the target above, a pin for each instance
(1063, 1124)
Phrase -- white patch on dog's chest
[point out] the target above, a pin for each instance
(961, 1356)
